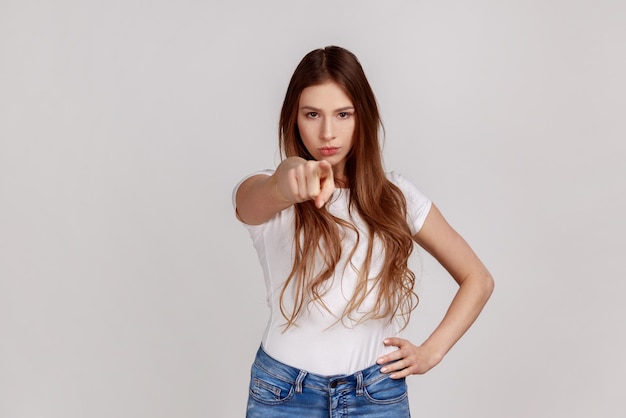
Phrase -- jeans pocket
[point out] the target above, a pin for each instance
(269, 389)
(386, 391)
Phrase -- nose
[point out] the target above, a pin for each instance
(327, 131)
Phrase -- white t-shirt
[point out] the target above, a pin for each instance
(319, 343)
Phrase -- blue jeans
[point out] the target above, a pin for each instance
(278, 390)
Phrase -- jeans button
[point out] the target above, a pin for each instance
(333, 384)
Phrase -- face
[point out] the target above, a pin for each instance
(326, 121)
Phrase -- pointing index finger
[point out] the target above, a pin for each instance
(327, 183)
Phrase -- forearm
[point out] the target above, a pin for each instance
(258, 199)
(295, 180)
(467, 304)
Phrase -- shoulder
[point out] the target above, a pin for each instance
(417, 203)
(407, 187)
(396, 178)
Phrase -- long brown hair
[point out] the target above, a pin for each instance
(380, 204)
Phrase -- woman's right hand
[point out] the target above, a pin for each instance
(298, 180)
(295, 180)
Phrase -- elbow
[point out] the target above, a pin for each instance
(488, 284)
(482, 284)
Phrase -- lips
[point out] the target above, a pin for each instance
(328, 151)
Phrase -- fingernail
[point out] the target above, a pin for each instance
(384, 370)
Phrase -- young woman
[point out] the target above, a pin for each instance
(334, 233)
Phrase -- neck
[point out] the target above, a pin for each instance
(341, 182)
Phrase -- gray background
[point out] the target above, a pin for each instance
(127, 287)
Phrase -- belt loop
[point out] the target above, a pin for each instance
(299, 380)
(359, 384)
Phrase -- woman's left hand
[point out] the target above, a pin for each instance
(408, 359)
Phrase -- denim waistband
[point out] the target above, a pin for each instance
(301, 378)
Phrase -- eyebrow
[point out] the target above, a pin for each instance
(314, 109)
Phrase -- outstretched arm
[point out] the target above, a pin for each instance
(475, 287)
(295, 180)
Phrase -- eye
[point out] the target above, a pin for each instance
(311, 115)
(343, 115)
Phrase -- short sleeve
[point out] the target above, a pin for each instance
(417, 203)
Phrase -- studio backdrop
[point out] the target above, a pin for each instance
(127, 287)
